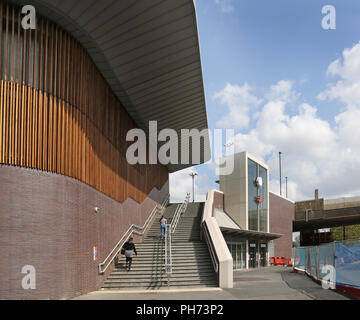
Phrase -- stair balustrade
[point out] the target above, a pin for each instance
(133, 229)
(170, 229)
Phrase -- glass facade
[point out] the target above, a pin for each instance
(238, 252)
(252, 194)
(258, 253)
(257, 210)
(264, 205)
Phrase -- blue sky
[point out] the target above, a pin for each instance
(271, 62)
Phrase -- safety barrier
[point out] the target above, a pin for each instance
(343, 256)
(277, 261)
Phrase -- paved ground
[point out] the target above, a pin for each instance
(306, 285)
(271, 283)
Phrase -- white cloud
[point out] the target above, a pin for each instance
(347, 69)
(315, 154)
(304, 139)
(181, 183)
(349, 133)
(239, 101)
(283, 91)
(292, 189)
(225, 5)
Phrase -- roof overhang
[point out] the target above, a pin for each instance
(148, 52)
(257, 235)
(229, 227)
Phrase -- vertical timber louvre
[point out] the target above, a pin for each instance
(58, 114)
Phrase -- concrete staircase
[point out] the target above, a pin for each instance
(192, 266)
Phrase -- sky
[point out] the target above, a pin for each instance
(283, 83)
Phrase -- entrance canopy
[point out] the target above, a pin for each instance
(230, 228)
(255, 235)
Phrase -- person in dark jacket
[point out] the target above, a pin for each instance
(129, 250)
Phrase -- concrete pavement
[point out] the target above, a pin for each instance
(306, 285)
(271, 283)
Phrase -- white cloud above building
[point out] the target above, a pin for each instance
(225, 6)
(239, 101)
(317, 153)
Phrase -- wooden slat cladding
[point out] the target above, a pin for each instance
(58, 114)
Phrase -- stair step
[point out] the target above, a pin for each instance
(176, 261)
(174, 255)
(137, 277)
(159, 284)
(173, 251)
(156, 234)
(149, 272)
(174, 246)
(188, 244)
(185, 255)
(165, 287)
(176, 268)
(192, 265)
(159, 262)
(141, 282)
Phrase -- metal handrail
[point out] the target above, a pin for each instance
(131, 231)
(168, 256)
(179, 211)
(210, 245)
(169, 230)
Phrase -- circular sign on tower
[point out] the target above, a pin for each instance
(259, 182)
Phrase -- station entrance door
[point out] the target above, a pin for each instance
(263, 254)
(253, 249)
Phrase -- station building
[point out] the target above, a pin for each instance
(256, 223)
(71, 89)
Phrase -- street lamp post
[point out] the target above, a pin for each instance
(193, 180)
(286, 186)
(280, 171)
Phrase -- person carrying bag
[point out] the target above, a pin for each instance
(128, 250)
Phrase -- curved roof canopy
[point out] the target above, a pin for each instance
(148, 51)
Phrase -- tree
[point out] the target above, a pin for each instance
(351, 232)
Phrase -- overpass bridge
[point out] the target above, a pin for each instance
(320, 213)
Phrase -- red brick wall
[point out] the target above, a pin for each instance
(282, 214)
(218, 200)
(48, 221)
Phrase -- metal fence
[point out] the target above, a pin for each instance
(344, 256)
